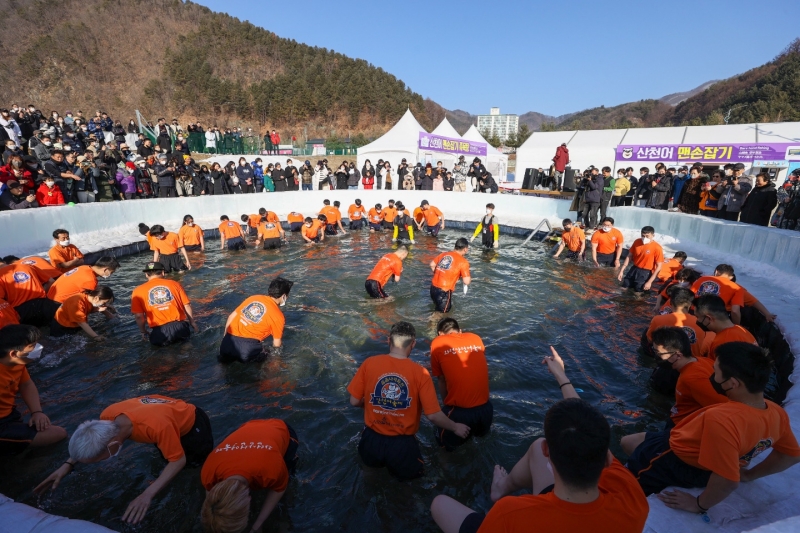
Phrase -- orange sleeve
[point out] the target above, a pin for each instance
(281, 480)
(278, 322)
(787, 442)
(397, 267)
(719, 448)
(660, 255)
(25, 377)
(738, 298)
(427, 394)
(41, 275)
(182, 294)
(465, 269)
(137, 303)
(55, 257)
(653, 326)
(702, 393)
(168, 441)
(356, 387)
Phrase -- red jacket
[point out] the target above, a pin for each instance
(368, 182)
(276, 139)
(562, 158)
(47, 196)
(7, 174)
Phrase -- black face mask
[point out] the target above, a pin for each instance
(703, 326)
(717, 386)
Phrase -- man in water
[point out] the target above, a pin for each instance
(82, 278)
(230, 233)
(163, 305)
(389, 265)
(488, 228)
(394, 392)
(375, 218)
(313, 230)
(254, 320)
(167, 250)
(64, 255)
(447, 268)
(356, 213)
(403, 225)
(573, 239)
(647, 257)
(607, 244)
(389, 215)
(333, 218)
(432, 219)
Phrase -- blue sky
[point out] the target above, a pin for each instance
(551, 57)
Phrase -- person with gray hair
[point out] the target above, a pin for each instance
(180, 431)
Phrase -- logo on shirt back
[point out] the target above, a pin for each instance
(148, 400)
(159, 295)
(708, 287)
(269, 225)
(691, 334)
(28, 262)
(71, 272)
(254, 312)
(391, 393)
(762, 446)
(445, 262)
(21, 277)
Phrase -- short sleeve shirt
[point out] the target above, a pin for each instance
(42, 264)
(258, 317)
(694, 390)
(8, 315)
(20, 283)
(161, 300)
(11, 377)
(387, 266)
(686, 322)
(168, 245)
(733, 334)
(190, 235)
(730, 292)
(230, 230)
(74, 311)
(63, 254)
(75, 281)
(450, 266)
(461, 359)
(573, 239)
(607, 242)
(646, 256)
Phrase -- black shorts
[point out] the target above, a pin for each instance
(442, 300)
(374, 289)
(38, 312)
(432, 230)
(472, 523)
(574, 256)
(400, 454)
(192, 247)
(199, 441)
(375, 227)
(331, 229)
(172, 262)
(479, 420)
(606, 260)
(57, 330)
(273, 243)
(15, 435)
(171, 332)
(253, 231)
(636, 278)
(656, 466)
(387, 224)
(242, 349)
(291, 457)
(237, 243)
(357, 224)
(296, 226)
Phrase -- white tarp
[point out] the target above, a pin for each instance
(399, 142)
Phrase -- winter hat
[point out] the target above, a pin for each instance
(130, 165)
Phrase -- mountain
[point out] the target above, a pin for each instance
(676, 98)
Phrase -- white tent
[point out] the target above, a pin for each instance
(400, 142)
(495, 161)
(539, 150)
(445, 129)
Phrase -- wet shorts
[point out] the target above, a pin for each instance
(273, 243)
(656, 466)
(575, 256)
(291, 457)
(199, 441)
(375, 227)
(442, 300)
(172, 262)
(357, 224)
(57, 330)
(374, 289)
(400, 454)
(479, 420)
(296, 226)
(253, 231)
(636, 278)
(171, 332)
(606, 260)
(38, 312)
(192, 247)
(432, 230)
(472, 523)
(15, 435)
(331, 229)
(237, 243)
(243, 349)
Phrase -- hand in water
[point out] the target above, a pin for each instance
(52, 481)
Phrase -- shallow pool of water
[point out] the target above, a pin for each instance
(520, 302)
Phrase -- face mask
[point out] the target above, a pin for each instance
(702, 325)
(717, 386)
(64, 243)
(606, 229)
(646, 240)
(50, 183)
(283, 303)
(190, 224)
(11, 147)
(36, 353)
(16, 164)
(112, 455)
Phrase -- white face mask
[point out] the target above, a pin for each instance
(646, 240)
(50, 183)
(36, 353)
(283, 302)
(190, 224)
(488, 211)
(606, 228)
(64, 243)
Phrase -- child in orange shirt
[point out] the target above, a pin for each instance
(356, 214)
(73, 315)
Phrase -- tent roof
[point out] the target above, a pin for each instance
(473, 134)
(781, 132)
(673, 135)
(404, 136)
(731, 133)
(445, 129)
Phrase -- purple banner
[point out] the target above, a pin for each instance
(437, 143)
(708, 153)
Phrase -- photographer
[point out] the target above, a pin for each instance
(592, 185)
(166, 176)
(733, 192)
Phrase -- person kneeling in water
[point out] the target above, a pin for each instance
(233, 469)
(271, 233)
(256, 319)
(388, 265)
(73, 315)
(164, 304)
(231, 233)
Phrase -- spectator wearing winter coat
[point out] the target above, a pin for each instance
(16, 170)
(733, 192)
(634, 181)
(146, 149)
(133, 127)
(353, 176)
(592, 186)
(279, 178)
(487, 184)
(71, 142)
(476, 173)
(182, 146)
(126, 182)
(387, 176)
(609, 184)
(211, 142)
(368, 175)
(119, 132)
(679, 179)
(85, 187)
(661, 185)
(269, 185)
(165, 170)
(245, 174)
(218, 179)
(560, 162)
(689, 199)
(379, 169)
(322, 176)
(644, 189)
(13, 198)
(10, 127)
(258, 174)
(460, 170)
(449, 182)
(57, 169)
(105, 182)
(307, 176)
(761, 201)
(621, 187)
(291, 174)
(49, 193)
(402, 170)
(163, 137)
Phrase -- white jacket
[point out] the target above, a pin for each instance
(12, 129)
(211, 139)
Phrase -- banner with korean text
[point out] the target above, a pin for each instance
(709, 153)
(437, 143)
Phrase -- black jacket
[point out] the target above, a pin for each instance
(759, 205)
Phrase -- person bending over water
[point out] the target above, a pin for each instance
(165, 307)
(447, 268)
(390, 266)
(73, 315)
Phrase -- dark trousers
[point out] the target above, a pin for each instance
(724, 214)
(604, 208)
(589, 214)
(167, 192)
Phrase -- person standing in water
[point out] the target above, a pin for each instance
(403, 225)
(167, 249)
(447, 268)
(488, 229)
(191, 236)
(388, 266)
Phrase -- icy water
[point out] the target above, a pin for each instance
(520, 302)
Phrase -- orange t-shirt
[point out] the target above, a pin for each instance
(254, 451)
(748, 299)
(62, 254)
(418, 214)
(189, 235)
(269, 230)
(724, 437)
(620, 508)
(733, 334)
(257, 318)
(11, 377)
(395, 392)
(75, 281)
(730, 292)
(161, 300)
(646, 256)
(230, 230)
(42, 264)
(432, 215)
(312, 232)
(294, 217)
(8, 315)
(376, 216)
(168, 245)
(156, 419)
(573, 239)
(331, 213)
(389, 214)
(669, 269)
(694, 390)
(449, 267)
(461, 359)
(74, 311)
(686, 322)
(356, 212)
(387, 266)
(253, 220)
(607, 243)
(20, 283)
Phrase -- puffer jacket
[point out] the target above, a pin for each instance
(735, 196)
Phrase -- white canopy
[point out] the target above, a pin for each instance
(399, 142)
(496, 161)
(445, 129)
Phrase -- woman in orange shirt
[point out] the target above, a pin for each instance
(73, 315)
(191, 236)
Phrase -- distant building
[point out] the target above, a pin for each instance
(496, 124)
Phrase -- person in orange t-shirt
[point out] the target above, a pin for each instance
(7, 314)
(261, 454)
(375, 218)
(191, 236)
(672, 267)
(712, 316)
(35, 261)
(73, 315)
(356, 214)
(181, 432)
(573, 239)
(607, 244)
(64, 256)
(711, 448)
(163, 305)
(394, 392)
(389, 214)
(230, 233)
(82, 278)
(312, 231)
(647, 257)
(447, 268)
(684, 278)
(270, 233)
(295, 221)
(254, 320)
(592, 491)
(167, 250)
(433, 219)
(458, 361)
(333, 219)
(252, 223)
(419, 216)
(721, 284)
(25, 289)
(390, 266)
(681, 301)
